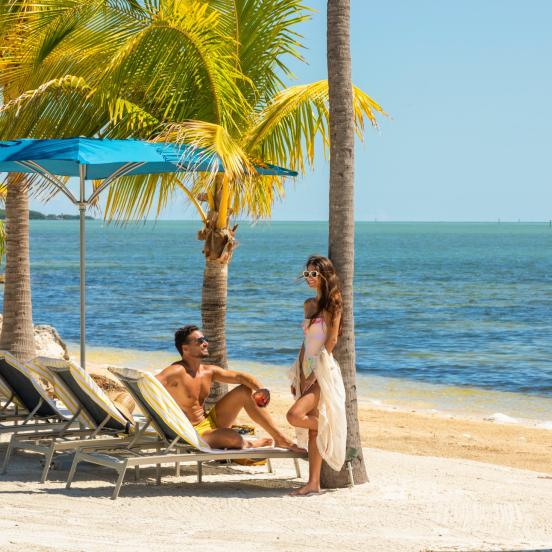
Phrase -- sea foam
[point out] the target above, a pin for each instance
(502, 418)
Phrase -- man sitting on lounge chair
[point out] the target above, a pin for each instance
(189, 383)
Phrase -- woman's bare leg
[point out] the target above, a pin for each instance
(315, 466)
(304, 413)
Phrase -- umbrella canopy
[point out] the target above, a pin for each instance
(102, 158)
(107, 160)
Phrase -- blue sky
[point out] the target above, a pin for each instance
(468, 86)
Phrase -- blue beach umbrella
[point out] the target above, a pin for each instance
(106, 160)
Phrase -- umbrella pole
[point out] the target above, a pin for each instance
(82, 213)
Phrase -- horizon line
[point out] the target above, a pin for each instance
(372, 221)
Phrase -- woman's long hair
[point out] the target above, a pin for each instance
(330, 299)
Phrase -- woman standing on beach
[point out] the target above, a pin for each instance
(316, 383)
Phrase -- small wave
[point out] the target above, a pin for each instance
(545, 425)
(501, 419)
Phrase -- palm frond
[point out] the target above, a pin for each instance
(62, 107)
(212, 143)
(285, 131)
(135, 197)
(265, 41)
(56, 37)
(179, 67)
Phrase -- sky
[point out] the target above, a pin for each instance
(467, 85)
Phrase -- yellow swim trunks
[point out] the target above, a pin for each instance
(208, 424)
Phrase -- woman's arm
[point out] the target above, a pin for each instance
(333, 331)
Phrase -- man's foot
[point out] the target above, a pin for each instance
(290, 445)
(256, 443)
(308, 490)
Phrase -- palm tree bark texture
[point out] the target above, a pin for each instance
(342, 224)
(17, 330)
(219, 245)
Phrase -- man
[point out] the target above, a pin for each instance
(189, 383)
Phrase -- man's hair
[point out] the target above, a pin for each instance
(181, 336)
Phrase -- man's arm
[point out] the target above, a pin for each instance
(167, 373)
(232, 376)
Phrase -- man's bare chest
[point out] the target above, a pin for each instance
(196, 388)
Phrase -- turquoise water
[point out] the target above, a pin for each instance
(455, 304)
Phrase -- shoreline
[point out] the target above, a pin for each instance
(375, 392)
(497, 440)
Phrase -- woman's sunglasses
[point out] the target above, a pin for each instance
(311, 274)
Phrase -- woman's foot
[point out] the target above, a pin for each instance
(308, 490)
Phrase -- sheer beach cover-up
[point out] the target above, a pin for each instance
(332, 421)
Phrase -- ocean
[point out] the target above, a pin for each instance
(464, 306)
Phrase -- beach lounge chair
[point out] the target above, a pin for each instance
(8, 407)
(104, 425)
(28, 406)
(182, 443)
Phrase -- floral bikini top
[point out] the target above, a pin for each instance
(315, 338)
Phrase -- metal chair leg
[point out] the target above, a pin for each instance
(73, 470)
(350, 471)
(47, 463)
(199, 472)
(8, 455)
(177, 470)
(297, 468)
(158, 474)
(136, 473)
(120, 480)
(269, 466)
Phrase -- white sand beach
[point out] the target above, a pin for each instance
(438, 482)
(411, 503)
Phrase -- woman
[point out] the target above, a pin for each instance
(316, 383)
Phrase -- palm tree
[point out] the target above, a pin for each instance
(3, 191)
(207, 73)
(342, 225)
(17, 330)
(275, 124)
(54, 45)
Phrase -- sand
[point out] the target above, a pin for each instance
(412, 503)
(439, 434)
(437, 483)
(435, 433)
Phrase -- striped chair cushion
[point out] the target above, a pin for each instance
(24, 369)
(160, 400)
(5, 392)
(39, 370)
(88, 385)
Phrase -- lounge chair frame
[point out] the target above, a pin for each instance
(38, 413)
(176, 451)
(64, 440)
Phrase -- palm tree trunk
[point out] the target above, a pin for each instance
(342, 224)
(219, 247)
(213, 316)
(17, 329)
